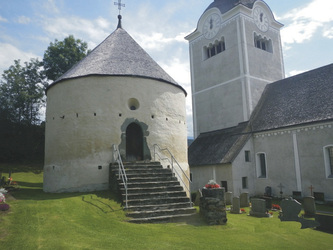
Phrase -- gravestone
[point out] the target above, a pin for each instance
(309, 206)
(235, 205)
(228, 198)
(297, 195)
(3, 181)
(258, 208)
(290, 211)
(269, 202)
(9, 177)
(325, 220)
(268, 191)
(244, 199)
(319, 197)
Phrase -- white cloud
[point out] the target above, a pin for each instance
(328, 33)
(90, 31)
(2, 19)
(155, 40)
(50, 6)
(299, 31)
(295, 72)
(24, 20)
(305, 21)
(9, 53)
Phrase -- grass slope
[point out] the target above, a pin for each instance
(38, 220)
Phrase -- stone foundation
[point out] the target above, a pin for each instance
(212, 206)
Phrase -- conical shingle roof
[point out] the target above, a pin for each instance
(118, 55)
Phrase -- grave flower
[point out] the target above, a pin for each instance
(2, 197)
(276, 207)
(212, 184)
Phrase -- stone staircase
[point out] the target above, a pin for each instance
(154, 193)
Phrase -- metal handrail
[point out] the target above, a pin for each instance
(121, 170)
(172, 161)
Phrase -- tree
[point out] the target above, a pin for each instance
(22, 92)
(60, 56)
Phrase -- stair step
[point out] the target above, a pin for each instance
(160, 206)
(158, 219)
(157, 201)
(150, 179)
(150, 184)
(162, 171)
(166, 212)
(155, 195)
(152, 189)
(150, 165)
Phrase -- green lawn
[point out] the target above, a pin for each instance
(37, 220)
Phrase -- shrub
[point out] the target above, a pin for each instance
(4, 207)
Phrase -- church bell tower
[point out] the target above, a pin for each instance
(235, 52)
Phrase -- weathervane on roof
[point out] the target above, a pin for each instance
(119, 5)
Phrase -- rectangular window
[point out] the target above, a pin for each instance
(225, 185)
(328, 157)
(261, 165)
(247, 156)
(244, 183)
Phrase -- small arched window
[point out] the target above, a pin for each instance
(214, 49)
(263, 43)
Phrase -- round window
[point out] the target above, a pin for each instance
(133, 104)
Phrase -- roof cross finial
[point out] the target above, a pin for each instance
(119, 5)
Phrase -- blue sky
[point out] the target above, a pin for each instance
(28, 26)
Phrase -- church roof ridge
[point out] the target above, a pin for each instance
(118, 55)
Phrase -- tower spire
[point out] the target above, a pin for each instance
(119, 22)
(119, 16)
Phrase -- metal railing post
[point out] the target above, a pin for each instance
(121, 169)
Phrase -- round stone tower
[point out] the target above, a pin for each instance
(117, 95)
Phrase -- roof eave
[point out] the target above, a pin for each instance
(115, 75)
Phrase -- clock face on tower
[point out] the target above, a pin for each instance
(261, 19)
(211, 26)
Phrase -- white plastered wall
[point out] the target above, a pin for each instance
(84, 118)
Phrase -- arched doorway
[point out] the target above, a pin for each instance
(134, 143)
